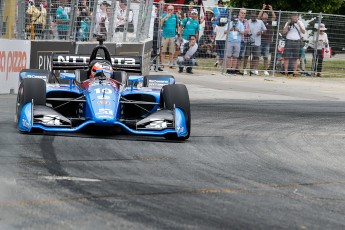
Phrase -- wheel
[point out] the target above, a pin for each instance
(30, 89)
(150, 80)
(177, 94)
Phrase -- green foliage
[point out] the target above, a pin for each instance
(316, 6)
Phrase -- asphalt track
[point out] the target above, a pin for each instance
(265, 153)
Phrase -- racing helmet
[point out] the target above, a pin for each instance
(101, 68)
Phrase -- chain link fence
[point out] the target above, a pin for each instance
(262, 51)
(75, 20)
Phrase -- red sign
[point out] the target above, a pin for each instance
(12, 61)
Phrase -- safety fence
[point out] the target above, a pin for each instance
(75, 20)
(265, 47)
(262, 51)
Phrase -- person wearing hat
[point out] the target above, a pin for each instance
(220, 39)
(220, 11)
(169, 22)
(234, 32)
(320, 41)
(189, 26)
(293, 30)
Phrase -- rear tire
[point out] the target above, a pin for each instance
(177, 94)
(30, 89)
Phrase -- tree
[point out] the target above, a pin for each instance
(316, 6)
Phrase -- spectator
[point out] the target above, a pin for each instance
(257, 28)
(205, 46)
(189, 26)
(84, 29)
(235, 31)
(292, 50)
(244, 39)
(187, 58)
(170, 24)
(220, 12)
(220, 38)
(266, 38)
(83, 21)
(320, 42)
(62, 20)
(208, 26)
(120, 18)
(187, 10)
(38, 15)
(102, 20)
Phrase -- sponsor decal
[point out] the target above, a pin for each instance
(108, 112)
(44, 61)
(103, 102)
(105, 97)
(85, 60)
(162, 83)
(25, 123)
(103, 91)
(32, 75)
(12, 61)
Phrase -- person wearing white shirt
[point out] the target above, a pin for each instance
(187, 57)
(220, 38)
(102, 20)
(293, 30)
(320, 42)
(120, 17)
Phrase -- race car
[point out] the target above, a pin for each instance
(97, 94)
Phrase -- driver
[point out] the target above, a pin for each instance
(101, 69)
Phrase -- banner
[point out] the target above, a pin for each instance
(41, 52)
(14, 56)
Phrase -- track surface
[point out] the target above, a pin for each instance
(264, 153)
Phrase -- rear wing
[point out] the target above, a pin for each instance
(75, 61)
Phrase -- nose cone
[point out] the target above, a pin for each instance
(104, 103)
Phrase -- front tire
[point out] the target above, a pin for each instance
(30, 89)
(177, 95)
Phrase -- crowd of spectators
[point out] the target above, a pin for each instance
(54, 20)
(241, 40)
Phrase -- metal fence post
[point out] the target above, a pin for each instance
(315, 56)
(71, 32)
(226, 42)
(147, 20)
(159, 36)
(1, 17)
(92, 26)
(20, 30)
(126, 23)
(140, 22)
(277, 44)
(111, 28)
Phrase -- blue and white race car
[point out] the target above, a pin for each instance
(98, 95)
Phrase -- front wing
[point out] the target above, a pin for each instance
(26, 124)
